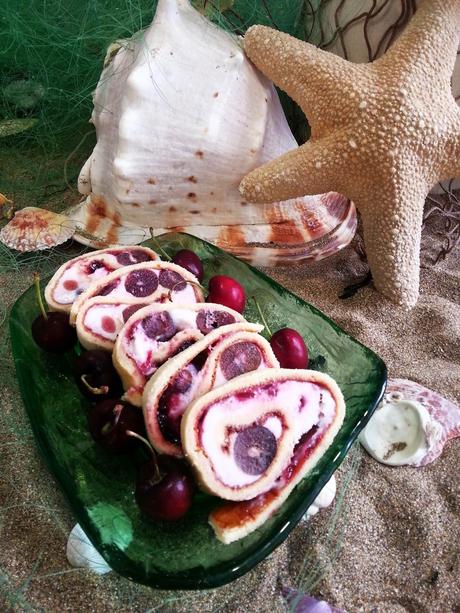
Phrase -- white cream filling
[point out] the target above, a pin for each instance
(77, 273)
(94, 319)
(142, 348)
(318, 407)
(184, 318)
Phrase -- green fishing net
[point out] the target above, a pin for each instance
(51, 59)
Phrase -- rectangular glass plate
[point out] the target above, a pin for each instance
(99, 487)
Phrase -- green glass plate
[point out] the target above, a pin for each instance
(99, 487)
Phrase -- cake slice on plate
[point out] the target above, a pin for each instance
(220, 356)
(75, 276)
(159, 331)
(157, 281)
(253, 440)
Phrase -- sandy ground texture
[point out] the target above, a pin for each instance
(394, 546)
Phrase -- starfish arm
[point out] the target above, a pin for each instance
(450, 163)
(303, 71)
(310, 169)
(392, 232)
(431, 37)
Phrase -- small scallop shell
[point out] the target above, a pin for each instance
(411, 425)
(81, 553)
(34, 229)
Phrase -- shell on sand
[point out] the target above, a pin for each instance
(181, 116)
(323, 500)
(81, 553)
(411, 426)
(34, 229)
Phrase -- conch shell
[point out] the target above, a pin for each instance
(181, 116)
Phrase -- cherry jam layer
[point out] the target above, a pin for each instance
(232, 515)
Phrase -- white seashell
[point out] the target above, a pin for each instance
(181, 116)
(324, 498)
(82, 554)
(397, 433)
(410, 426)
(34, 229)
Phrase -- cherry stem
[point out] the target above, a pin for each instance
(152, 451)
(94, 390)
(156, 242)
(39, 295)
(109, 426)
(261, 315)
(203, 289)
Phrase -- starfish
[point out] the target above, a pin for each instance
(382, 134)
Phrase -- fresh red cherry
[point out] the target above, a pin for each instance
(96, 376)
(225, 290)
(190, 261)
(109, 422)
(164, 489)
(53, 333)
(289, 348)
(51, 330)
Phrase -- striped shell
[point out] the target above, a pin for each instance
(34, 229)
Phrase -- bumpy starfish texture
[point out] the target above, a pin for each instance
(382, 134)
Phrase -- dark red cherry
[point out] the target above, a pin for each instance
(110, 420)
(172, 280)
(190, 261)
(225, 290)
(289, 348)
(96, 376)
(133, 256)
(141, 283)
(164, 489)
(53, 333)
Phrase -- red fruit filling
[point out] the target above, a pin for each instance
(159, 326)
(108, 324)
(240, 358)
(95, 265)
(207, 321)
(173, 403)
(141, 283)
(70, 285)
(131, 310)
(108, 289)
(254, 449)
(172, 280)
(134, 256)
(234, 514)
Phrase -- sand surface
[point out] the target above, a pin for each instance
(394, 545)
